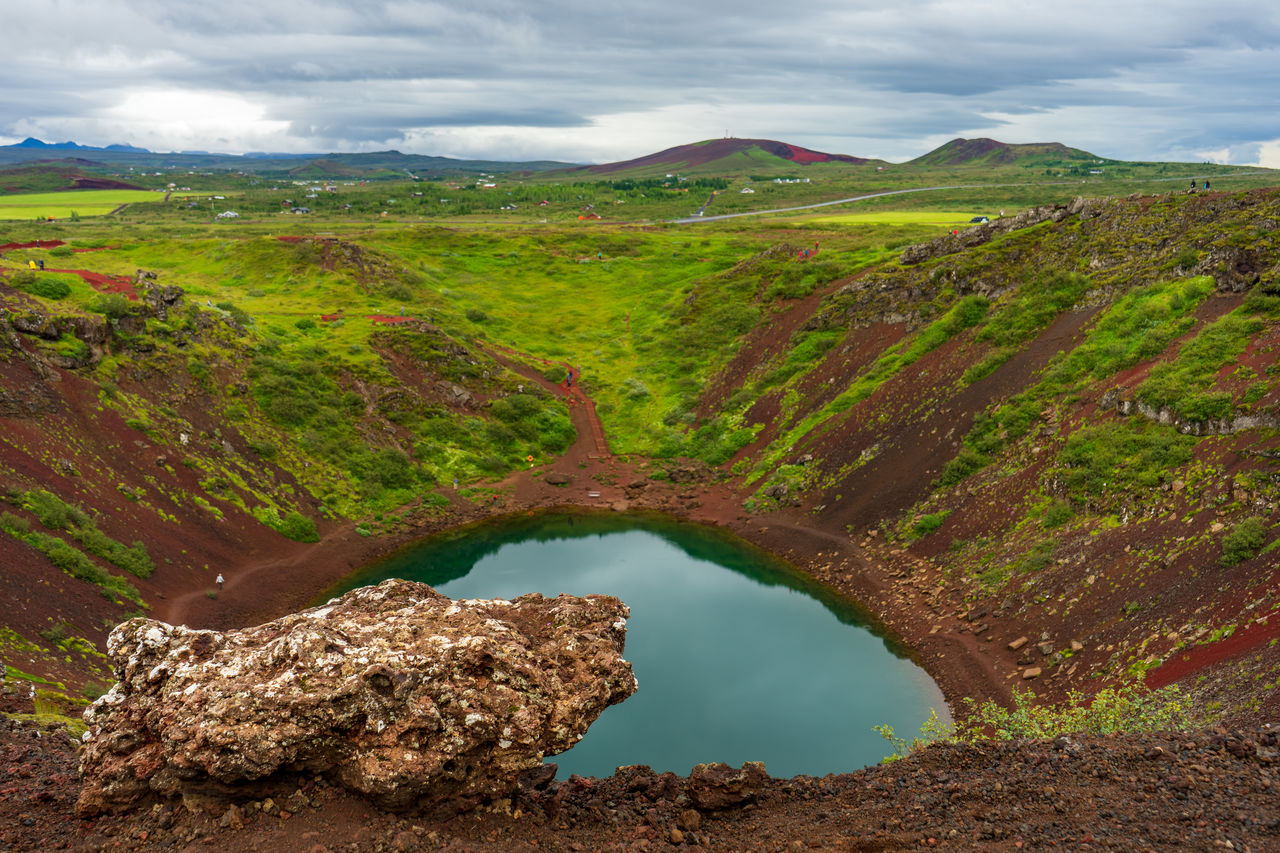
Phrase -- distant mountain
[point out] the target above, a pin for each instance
(32, 143)
(364, 165)
(726, 155)
(990, 152)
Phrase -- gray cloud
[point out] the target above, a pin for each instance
(571, 79)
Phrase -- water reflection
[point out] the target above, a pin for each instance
(737, 657)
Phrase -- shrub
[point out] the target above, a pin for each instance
(966, 462)
(1127, 709)
(13, 524)
(1243, 541)
(634, 389)
(1131, 708)
(49, 288)
(1058, 513)
(111, 305)
(306, 324)
(926, 524)
(52, 512)
(298, 527)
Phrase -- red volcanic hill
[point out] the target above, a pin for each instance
(727, 154)
(57, 175)
(991, 152)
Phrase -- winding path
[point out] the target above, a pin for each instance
(582, 409)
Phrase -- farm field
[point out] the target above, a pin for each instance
(62, 205)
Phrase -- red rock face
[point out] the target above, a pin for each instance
(394, 692)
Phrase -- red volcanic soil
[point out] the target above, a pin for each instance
(83, 183)
(699, 154)
(105, 282)
(49, 244)
(1202, 657)
(1190, 791)
(35, 244)
(1185, 791)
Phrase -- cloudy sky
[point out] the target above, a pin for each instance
(601, 80)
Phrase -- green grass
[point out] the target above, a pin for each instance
(61, 205)
(1138, 326)
(71, 560)
(940, 218)
(963, 314)
(1183, 384)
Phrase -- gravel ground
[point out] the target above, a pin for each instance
(1208, 790)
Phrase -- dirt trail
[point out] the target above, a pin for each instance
(582, 409)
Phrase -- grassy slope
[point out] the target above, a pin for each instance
(1037, 486)
(329, 425)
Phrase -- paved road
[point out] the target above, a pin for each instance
(690, 219)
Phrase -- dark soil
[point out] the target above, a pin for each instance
(1186, 791)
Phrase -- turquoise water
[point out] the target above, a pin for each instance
(737, 658)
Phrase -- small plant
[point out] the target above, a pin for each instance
(1130, 708)
(299, 528)
(56, 633)
(112, 305)
(1243, 541)
(926, 524)
(1058, 514)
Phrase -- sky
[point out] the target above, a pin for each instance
(593, 81)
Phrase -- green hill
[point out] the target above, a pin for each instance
(989, 152)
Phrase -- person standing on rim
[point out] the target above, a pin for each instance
(219, 582)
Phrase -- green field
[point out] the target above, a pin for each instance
(63, 205)
(943, 218)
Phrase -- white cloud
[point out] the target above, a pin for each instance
(603, 80)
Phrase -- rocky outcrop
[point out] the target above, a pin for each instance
(1236, 422)
(395, 692)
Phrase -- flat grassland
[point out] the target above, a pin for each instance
(948, 218)
(61, 205)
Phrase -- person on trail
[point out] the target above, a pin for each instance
(1206, 186)
(219, 582)
(1193, 183)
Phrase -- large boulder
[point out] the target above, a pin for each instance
(395, 692)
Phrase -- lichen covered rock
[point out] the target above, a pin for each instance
(395, 692)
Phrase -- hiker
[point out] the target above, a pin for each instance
(41, 262)
(31, 264)
(1206, 186)
(1193, 183)
(219, 582)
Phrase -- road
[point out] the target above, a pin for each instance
(698, 218)
(691, 219)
